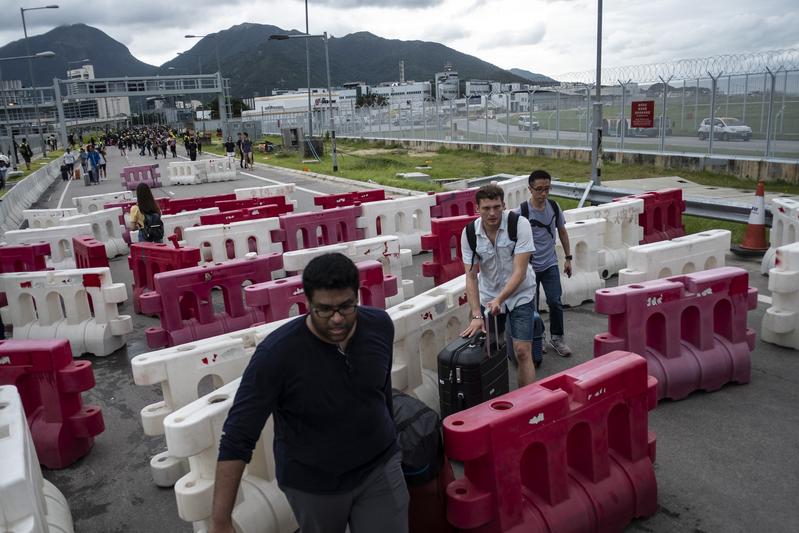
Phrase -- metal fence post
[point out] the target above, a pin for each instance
(773, 76)
(714, 83)
(746, 94)
(451, 122)
(727, 103)
(507, 117)
(557, 116)
(485, 116)
(468, 137)
(664, 119)
(530, 111)
(763, 101)
(782, 111)
(682, 108)
(623, 119)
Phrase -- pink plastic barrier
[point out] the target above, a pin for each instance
(147, 259)
(22, 258)
(349, 198)
(177, 205)
(662, 216)
(50, 384)
(249, 213)
(132, 176)
(276, 298)
(569, 453)
(183, 299)
(88, 252)
(691, 329)
(331, 226)
(454, 203)
(234, 205)
(446, 235)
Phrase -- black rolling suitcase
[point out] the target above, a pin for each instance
(471, 371)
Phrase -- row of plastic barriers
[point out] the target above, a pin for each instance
(201, 171)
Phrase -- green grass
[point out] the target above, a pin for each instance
(36, 164)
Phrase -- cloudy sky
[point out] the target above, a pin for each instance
(546, 36)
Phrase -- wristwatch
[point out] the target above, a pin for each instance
(477, 317)
(568, 258)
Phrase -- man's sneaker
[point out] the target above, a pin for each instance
(560, 347)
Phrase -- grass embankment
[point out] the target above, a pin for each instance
(36, 164)
(364, 161)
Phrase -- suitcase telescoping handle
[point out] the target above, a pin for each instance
(488, 334)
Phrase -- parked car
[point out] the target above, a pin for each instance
(525, 124)
(725, 128)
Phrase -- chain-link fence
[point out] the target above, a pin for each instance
(755, 112)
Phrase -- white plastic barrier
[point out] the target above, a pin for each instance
(407, 218)
(384, 249)
(96, 202)
(784, 228)
(281, 189)
(588, 259)
(187, 172)
(220, 242)
(25, 193)
(180, 370)
(220, 170)
(28, 502)
(683, 255)
(781, 321)
(79, 305)
(621, 230)
(105, 228)
(47, 218)
(179, 222)
(58, 237)
(516, 191)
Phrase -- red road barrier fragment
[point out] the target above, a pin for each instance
(50, 383)
(446, 235)
(691, 329)
(89, 252)
(662, 216)
(235, 205)
(147, 259)
(320, 228)
(249, 213)
(177, 205)
(132, 176)
(571, 452)
(454, 203)
(276, 298)
(345, 199)
(183, 299)
(23, 258)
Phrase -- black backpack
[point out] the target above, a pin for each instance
(419, 438)
(525, 210)
(471, 233)
(153, 227)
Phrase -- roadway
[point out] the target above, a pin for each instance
(726, 461)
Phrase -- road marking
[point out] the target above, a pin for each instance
(764, 299)
(61, 200)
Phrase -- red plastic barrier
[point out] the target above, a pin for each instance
(183, 299)
(147, 259)
(662, 216)
(149, 174)
(235, 205)
(321, 228)
(50, 385)
(177, 205)
(88, 252)
(691, 328)
(345, 199)
(454, 203)
(22, 258)
(250, 213)
(571, 452)
(446, 234)
(276, 298)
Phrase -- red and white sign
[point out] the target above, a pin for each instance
(642, 114)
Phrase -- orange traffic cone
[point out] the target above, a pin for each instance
(754, 241)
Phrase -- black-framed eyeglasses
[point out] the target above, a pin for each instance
(326, 311)
(540, 189)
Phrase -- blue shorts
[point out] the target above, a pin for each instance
(520, 320)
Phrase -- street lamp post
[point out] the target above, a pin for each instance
(322, 36)
(2, 89)
(22, 11)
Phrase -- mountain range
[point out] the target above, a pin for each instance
(255, 64)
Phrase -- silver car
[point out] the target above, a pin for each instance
(725, 129)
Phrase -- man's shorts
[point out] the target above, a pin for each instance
(519, 319)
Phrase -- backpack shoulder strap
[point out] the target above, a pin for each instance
(513, 225)
(555, 208)
(525, 210)
(471, 238)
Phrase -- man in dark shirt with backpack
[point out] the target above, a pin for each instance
(546, 219)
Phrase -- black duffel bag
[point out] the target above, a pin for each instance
(419, 438)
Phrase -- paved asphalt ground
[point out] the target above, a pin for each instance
(727, 461)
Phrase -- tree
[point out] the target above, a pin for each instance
(370, 100)
(237, 105)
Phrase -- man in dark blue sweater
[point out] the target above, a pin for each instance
(326, 378)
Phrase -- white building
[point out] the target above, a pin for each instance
(447, 84)
(402, 93)
(110, 107)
